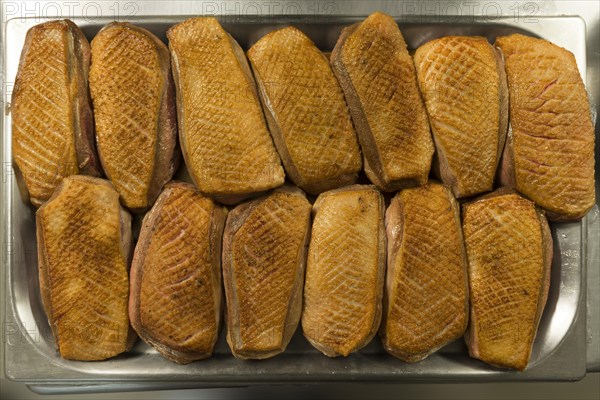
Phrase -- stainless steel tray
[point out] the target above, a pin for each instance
(559, 349)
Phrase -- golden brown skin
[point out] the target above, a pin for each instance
(426, 301)
(264, 254)
(378, 78)
(84, 243)
(343, 288)
(52, 121)
(134, 109)
(509, 250)
(549, 154)
(175, 303)
(306, 111)
(464, 86)
(223, 134)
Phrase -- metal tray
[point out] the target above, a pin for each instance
(559, 349)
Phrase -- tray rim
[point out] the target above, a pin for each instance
(20, 374)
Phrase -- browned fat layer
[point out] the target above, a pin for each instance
(83, 244)
(50, 110)
(460, 82)
(137, 129)
(223, 134)
(508, 249)
(264, 251)
(426, 298)
(311, 128)
(176, 285)
(389, 115)
(344, 277)
(549, 156)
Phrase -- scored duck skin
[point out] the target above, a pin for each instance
(345, 269)
(175, 302)
(306, 111)
(224, 138)
(134, 106)
(84, 249)
(509, 251)
(52, 120)
(549, 153)
(377, 75)
(264, 256)
(463, 83)
(426, 301)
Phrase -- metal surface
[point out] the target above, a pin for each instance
(560, 349)
(593, 285)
